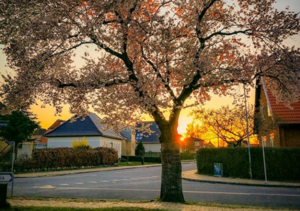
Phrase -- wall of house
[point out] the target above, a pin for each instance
(128, 148)
(25, 151)
(290, 135)
(112, 143)
(58, 142)
(152, 147)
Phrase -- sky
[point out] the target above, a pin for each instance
(46, 116)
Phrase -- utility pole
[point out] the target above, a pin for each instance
(246, 111)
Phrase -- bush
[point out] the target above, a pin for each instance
(67, 158)
(146, 159)
(280, 162)
(187, 155)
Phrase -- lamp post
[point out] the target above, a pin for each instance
(13, 144)
(249, 154)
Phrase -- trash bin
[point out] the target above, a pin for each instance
(3, 193)
(218, 169)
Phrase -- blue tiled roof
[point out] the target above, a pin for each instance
(89, 126)
(145, 137)
(127, 134)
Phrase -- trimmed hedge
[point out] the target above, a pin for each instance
(186, 155)
(146, 159)
(67, 158)
(282, 163)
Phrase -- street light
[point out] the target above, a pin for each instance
(12, 143)
(249, 154)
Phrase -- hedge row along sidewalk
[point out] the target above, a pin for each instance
(282, 163)
(78, 171)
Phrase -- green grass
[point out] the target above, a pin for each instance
(79, 209)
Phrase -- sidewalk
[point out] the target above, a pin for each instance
(194, 176)
(148, 205)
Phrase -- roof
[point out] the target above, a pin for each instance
(194, 139)
(146, 137)
(127, 134)
(282, 112)
(88, 126)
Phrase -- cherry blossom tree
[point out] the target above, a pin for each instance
(145, 56)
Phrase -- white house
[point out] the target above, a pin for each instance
(91, 128)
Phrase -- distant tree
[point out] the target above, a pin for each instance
(228, 124)
(20, 127)
(194, 130)
(140, 151)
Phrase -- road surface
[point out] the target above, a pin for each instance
(144, 184)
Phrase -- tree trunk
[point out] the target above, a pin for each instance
(171, 181)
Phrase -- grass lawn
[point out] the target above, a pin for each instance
(79, 209)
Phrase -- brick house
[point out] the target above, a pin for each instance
(281, 125)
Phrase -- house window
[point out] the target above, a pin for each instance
(197, 144)
(272, 140)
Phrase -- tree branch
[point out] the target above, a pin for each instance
(166, 84)
(227, 34)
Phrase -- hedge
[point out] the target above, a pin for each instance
(67, 158)
(146, 159)
(282, 163)
(184, 156)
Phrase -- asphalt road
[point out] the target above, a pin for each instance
(144, 184)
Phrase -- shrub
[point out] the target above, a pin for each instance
(146, 159)
(83, 144)
(187, 155)
(67, 158)
(280, 162)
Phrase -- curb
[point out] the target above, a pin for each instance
(190, 176)
(241, 183)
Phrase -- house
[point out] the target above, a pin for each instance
(192, 144)
(150, 141)
(90, 127)
(129, 144)
(209, 145)
(280, 126)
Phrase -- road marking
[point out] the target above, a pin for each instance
(194, 192)
(104, 181)
(47, 187)
(79, 183)
(93, 182)
(64, 184)
(115, 180)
